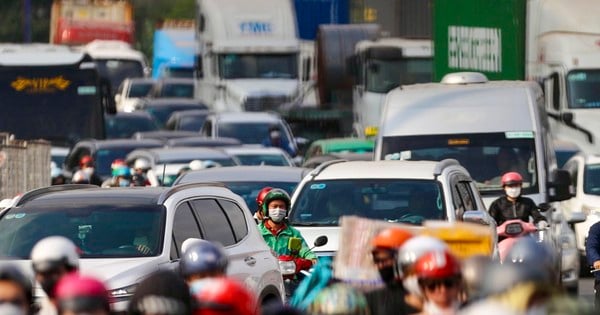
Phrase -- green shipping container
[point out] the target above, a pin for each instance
(486, 36)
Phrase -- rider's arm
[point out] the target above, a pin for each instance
(592, 245)
(534, 211)
(495, 212)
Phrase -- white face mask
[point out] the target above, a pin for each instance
(277, 214)
(411, 284)
(513, 192)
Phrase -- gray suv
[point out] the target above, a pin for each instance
(127, 233)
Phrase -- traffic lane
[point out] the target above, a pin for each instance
(586, 289)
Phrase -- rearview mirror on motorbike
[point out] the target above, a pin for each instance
(559, 187)
(545, 206)
(321, 241)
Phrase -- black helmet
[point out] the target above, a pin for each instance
(275, 194)
(203, 257)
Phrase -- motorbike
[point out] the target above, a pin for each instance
(294, 268)
(510, 231)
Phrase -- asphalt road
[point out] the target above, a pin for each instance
(586, 289)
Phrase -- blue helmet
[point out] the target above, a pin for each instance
(202, 256)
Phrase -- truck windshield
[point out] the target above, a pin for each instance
(116, 70)
(57, 103)
(487, 156)
(264, 66)
(384, 75)
(392, 200)
(582, 88)
(98, 229)
(591, 179)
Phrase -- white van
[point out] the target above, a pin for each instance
(490, 127)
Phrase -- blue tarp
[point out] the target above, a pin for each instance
(173, 48)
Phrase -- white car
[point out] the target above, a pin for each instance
(110, 225)
(585, 179)
(393, 191)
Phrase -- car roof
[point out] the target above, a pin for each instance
(119, 143)
(336, 144)
(129, 195)
(172, 101)
(171, 80)
(191, 112)
(378, 169)
(126, 115)
(181, 153)
(320, 159)
(245, 173)
(246, 117)
(164, 134)
(252, 149)
(199, 141)
(140, 80)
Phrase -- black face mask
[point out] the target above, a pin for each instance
(387, 274)
(48, 286)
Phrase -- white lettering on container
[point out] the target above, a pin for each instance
(475, 48)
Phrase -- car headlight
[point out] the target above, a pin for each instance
(123, 292)
(287, 267)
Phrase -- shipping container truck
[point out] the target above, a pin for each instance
(79, 22)
(174, 50)
(312, 13)
(553, 42)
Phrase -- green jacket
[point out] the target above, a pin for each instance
(279, 243)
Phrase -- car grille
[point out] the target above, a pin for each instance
(264, 103)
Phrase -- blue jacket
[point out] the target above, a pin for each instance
(592, 246)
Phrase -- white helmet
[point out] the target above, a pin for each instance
(415, 247)
(196, 165)
(142, 164)
(54, 251)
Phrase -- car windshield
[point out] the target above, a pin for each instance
(591, 180)
(391, 200)
(185, 90)
(118, 70)
(582, 88)
(140, 89)
(99, 230)
(384, 75)
(248, 133)
(125, 127)
(242, 66)
(262, 159)
(486, 156)
(191, 122)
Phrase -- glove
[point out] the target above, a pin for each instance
(542, 225)
(302, 264)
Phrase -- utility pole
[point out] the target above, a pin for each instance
(27, 21)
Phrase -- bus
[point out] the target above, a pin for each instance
(52, 92)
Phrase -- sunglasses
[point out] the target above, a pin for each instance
(431, 284)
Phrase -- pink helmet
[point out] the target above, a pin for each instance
(511, 178)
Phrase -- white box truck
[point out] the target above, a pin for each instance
(250, 54)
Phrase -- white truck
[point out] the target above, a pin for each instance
(382, 65)
(250, 54)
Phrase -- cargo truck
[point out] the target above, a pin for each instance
(553, 42)
(174, 49)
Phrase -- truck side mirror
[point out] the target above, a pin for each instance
(559, 187)
(567, 118)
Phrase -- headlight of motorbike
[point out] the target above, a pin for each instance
(287, 267)
(123, 292)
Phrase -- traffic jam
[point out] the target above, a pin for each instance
(303, 157)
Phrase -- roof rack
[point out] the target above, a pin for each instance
(439, 167)
(34, 194)
(165, 195)
(323, 166)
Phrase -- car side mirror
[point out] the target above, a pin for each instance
(559, 187)
(576, 217)
(477, 216)
(567, 118)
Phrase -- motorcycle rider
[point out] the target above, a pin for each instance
(202, 259)
(389, 299)
(78, 294)
(15, 289)
(259, 202)
(222, 296)
(277, 233)
(440, 281)
(513, 205)
(52, 258)
(592, 251)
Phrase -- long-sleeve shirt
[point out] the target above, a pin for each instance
(503, 209)
(592, 246)
(278, 240)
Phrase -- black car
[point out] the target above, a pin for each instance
(162, 108)
(187, 120)
(124, 125)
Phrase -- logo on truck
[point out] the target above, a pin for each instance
(256, 28)
(475, 48)
(40, 85)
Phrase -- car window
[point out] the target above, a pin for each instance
(102, 230)
(237, 218)
(214, 223)
(184, 226)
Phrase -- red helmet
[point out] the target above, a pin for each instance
(222, 296)
(391, 238)
(511, 178)
(80, 293)
(261, 196)
(437, 264)
(86, 160)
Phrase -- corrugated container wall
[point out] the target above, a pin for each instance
(311, 13)
(398, 18)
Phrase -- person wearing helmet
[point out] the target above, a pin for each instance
(259, 202)
(222, 296)
(592, 253)
(140, 168)
(339, 298)
(121, 176)
(440, 281)
(514, 206)
(15, 288)
(52, 258)
(408, 254)
(276, 139)
(202, 259)
(277, 233)
(116, 166)
(391, 298)
(86, 173)
(473, 270)
(78, 294)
